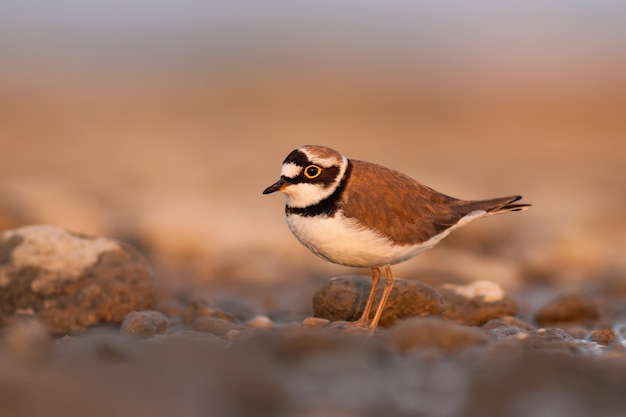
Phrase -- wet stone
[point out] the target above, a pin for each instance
(476, 303)
(145, 323)
(430, 332)
(344, 299)
(70, 281)
(568, 309)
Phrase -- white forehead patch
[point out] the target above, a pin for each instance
(291, 170)
(321, 161)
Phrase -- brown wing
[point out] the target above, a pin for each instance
(406, 211)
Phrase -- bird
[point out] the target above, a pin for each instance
(361, 214)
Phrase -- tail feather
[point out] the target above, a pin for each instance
(496, 205)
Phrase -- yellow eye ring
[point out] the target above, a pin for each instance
(312, 171)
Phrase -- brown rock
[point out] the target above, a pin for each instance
(568, 309)
(70, 281)
(476, 303)
(604, 337)
(145, 323)
(344, 298)
(436, 333)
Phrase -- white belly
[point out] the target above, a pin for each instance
(342, 241)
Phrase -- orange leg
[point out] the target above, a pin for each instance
(389, 280)
(365, 317)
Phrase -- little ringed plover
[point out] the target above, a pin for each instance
(360, 214)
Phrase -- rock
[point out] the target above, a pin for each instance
(568, 309)
(476, 303)
(508, 328)
(508, 321)
(508, 332)
(70, 281)
(311, 322)
(436, 333)
(604, 337)
(552, 339)
(214, 325)
(201, 308)
(145, 323)
(260, 322)
(344, 298)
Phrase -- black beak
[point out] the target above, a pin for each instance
(277, 186)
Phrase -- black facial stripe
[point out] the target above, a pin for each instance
(327, 206)
(297, 157)
(326, 178)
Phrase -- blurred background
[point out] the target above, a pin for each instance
(160, 123)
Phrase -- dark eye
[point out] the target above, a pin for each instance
(312, 171)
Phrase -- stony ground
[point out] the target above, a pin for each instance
(142, 273)
(86, 331)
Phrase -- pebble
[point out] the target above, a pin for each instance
(604, 337)
(310, 322)
(552, 339)
(145, 323)
(71, 281)
(260, 322)
(572, 309)
(508, 321)
(476, 303)
(344, 298)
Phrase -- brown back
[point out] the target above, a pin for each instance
(405, 210)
